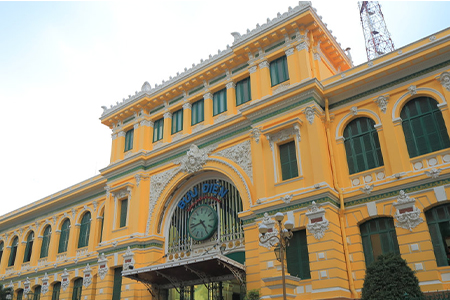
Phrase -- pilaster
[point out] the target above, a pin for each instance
(187, 118)
(264, 75)
(120, 145)
(303, 56)
(293, 65)
(208, 106)
(19, 254)
(167, 138)
(255, 82)
(113, 147)
(258, 162)
(231, 98)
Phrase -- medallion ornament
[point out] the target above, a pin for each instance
(407, 214)
(272, 232)
(318, 224)
(102, 266)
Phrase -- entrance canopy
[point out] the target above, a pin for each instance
(187, 272)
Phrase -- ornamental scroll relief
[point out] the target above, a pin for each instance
(407, 214)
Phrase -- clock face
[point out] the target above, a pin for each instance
(202, 222)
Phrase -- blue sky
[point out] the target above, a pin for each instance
(61, 61)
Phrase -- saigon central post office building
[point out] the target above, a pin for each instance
(357, 157)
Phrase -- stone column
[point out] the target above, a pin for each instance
(120, 145)
(167, 137)
(187, 118)
(303, 56)
(231, 98)
(264, 75)
(208, 106)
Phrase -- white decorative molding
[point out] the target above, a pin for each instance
(317, 224)
(121, 134)
(407, 214)
(44, 285)
(412, 89)
(146, 87)
(433, 173)
(310, 114)
(444, 79)
(208, 95)
(273, 231)
(87, 276)
(26, 287)
(187, 105)
(65, 280)
(252, 69)
(367, 189)
(382, 102)
(230, 85)
(264, 64)
(102, 266)
(195, 159)
(287, 198)
(283, 135)
(220, 118)
(107, 189)
(128, 259)
(167, 115)
(354, 110)
(241, 154)
(281, 87)
(255, 133)
(289, 51)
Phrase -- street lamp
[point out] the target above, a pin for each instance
(282, 241)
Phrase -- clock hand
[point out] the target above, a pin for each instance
(203, 224)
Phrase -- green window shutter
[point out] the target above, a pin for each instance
(438, 220)
(19, 295)
(362, 146)
(37, 293)
(56, 291)
(177, 121)
(424, 127)
(12, 254)
(297, 257)
(117, 283)
(77, 289)
(123, 212)
(28, 247)
(64, 236)
(85, 228)
(219, 102)
(279, 71)
(45, 241)
(197, 113)
(101, 226)
(1, 251)
(129, 135)
(158, 129)
(243, 92)
(288, 161)
(378, 237)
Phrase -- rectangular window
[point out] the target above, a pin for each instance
(219, 102)
(123, 213)
(243, 92)
(297, 257)
(279, 70)
(19, 295)
(129, 140)
(197, 112)
(158, 129)
(117, 284)
(288, 161)
(177, 121)
(37, 293)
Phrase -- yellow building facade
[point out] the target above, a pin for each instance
(357, 158)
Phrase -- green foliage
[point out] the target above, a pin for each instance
(252, 295)
(390, 278)
(3, 292)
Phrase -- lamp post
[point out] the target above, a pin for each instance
(282, 241)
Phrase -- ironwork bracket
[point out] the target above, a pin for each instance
(200, 275)
(175, 283)
(238, 274)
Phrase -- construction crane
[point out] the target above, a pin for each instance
(376, 35)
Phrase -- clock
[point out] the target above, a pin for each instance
(202, 222)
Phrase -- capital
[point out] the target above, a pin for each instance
(252, 69)
(264, 64)
(187, 105)
(230, 85)
(121, 134)
(207, 96)
(289, 51)
(167, 115)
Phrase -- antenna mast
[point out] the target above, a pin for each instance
(377, 37)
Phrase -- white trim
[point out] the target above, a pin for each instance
(408, 94)
(350, 114)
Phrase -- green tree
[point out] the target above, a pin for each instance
(252, 295)
(390, 278)
(3, 292)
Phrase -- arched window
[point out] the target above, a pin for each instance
(56, 291)
(37, 293)
(438, 220)
(46, 241)
(85, 228)
(424, 127)
(28, 247)
(64, 237)
(12, 254)
(77, 288)
(378, 237)
(1, 251)
(20, 294)
(362, 145)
